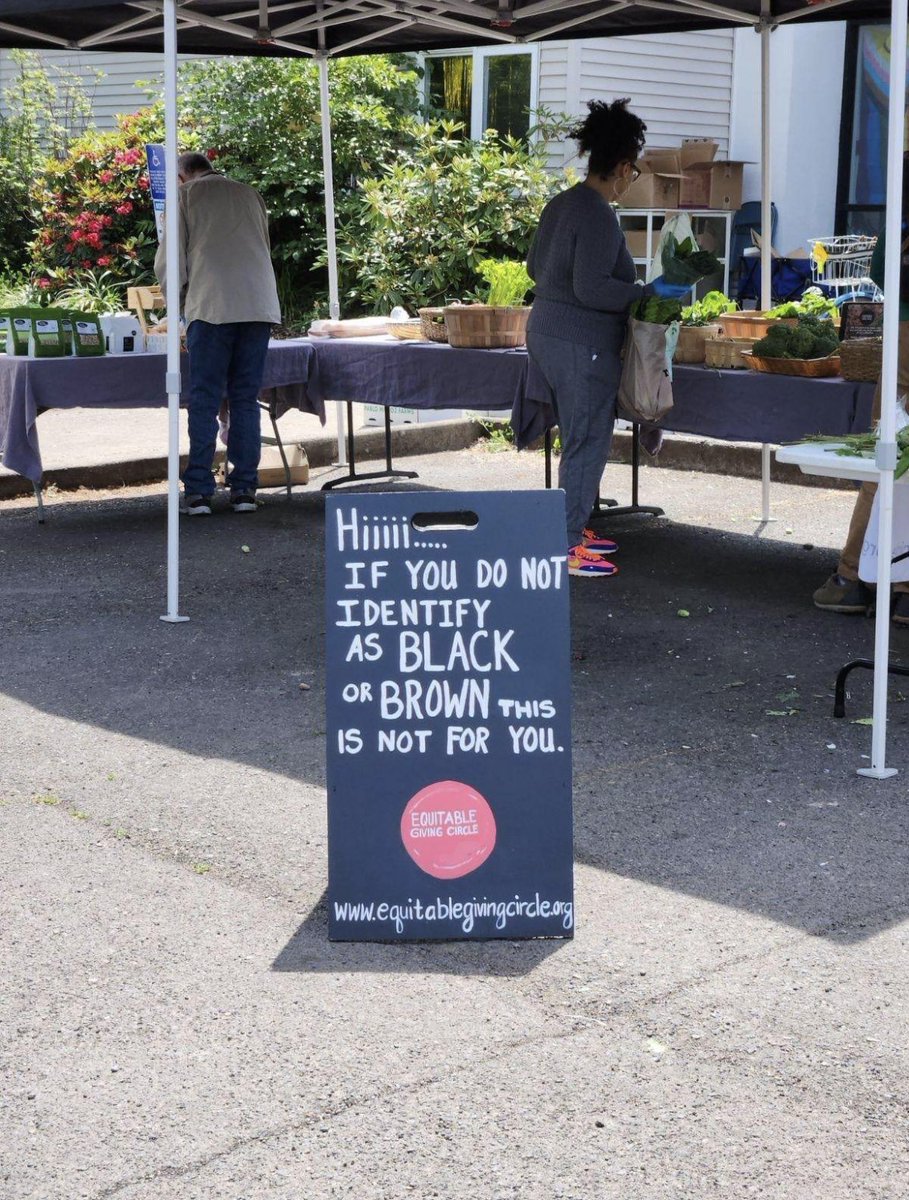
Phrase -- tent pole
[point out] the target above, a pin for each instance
(334, 302)
(886, 448)
(172, 379)
(766, 220)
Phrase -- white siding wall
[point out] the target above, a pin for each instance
(680, 84)
(114, 91)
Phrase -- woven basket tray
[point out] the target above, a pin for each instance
(861, 358)
(808, 368)
(746, 324)
(432, 322)
(692, 343)
(725, 353)
(406, 331)
(485, 327)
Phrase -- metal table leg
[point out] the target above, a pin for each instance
(354, 476)
(613, 508)
(839, 698)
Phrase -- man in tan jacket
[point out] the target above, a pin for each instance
(229, 301)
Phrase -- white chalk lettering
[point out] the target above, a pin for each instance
(526, 739)
(415, 701)
(492, 574)
(365, 648)
(543, 573)
(433, 576)
(467, 740)
(416, 653)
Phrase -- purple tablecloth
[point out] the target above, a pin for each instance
(303, 373)
(735, 406)
(118, 381)
(382, 370)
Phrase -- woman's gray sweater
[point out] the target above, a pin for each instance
(582, 271)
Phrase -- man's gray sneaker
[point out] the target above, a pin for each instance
(196, 506)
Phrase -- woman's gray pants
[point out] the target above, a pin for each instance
(584, 381)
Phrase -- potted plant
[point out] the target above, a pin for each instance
(501, 321)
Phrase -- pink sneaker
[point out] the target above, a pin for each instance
(582, 561)
(596, 544)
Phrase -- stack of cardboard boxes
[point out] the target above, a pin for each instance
(686, 177)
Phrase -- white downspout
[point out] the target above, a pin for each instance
(172, 379)
(886, 447)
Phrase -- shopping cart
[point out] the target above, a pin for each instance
(843, 264)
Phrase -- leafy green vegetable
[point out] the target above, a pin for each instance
(703, 311)
(684, 263)
(656, 310)
(508, 281)
(813, 303)
(865, 444)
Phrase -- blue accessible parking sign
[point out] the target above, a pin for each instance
(448, 716)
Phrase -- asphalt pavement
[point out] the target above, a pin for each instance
(729, 1019)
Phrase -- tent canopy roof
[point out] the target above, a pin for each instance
(282, 27)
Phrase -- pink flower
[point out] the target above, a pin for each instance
(43, 283)
(105, 176)
(104, 261)
(124, 209)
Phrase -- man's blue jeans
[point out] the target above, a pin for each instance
(225, 360)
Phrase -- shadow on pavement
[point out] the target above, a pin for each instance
(702, 742)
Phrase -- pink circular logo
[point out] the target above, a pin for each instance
(448, 829)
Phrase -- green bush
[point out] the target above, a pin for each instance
(417, 234)
(43, 109)
(259, 121)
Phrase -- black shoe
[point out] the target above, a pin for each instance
(900, 614)
(243, 502)
(196, 506)
(843, 595)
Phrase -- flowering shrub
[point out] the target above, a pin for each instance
(94, 210)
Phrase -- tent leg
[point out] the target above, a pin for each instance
(766, 219)
(886, 456)
(173, 384)
(334, 299)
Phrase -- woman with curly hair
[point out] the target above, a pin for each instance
(584, 284)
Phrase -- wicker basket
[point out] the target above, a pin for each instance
(432, 322)
(485, 327)
(725, 353)
(807, 368)
(691, 346)
(746, 324)
(406, 331)
(861, 358)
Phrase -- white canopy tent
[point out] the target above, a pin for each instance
(327, 28)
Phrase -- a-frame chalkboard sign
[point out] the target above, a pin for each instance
(448, 716)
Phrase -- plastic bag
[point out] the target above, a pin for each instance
(645, 389)
(679, 226)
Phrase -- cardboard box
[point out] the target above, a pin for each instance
(663, 170)
(271, 468)
(636, 241)
(652, 190)
(712, 185)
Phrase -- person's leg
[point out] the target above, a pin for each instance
(584, 382)
(244, 382)
(210, 349)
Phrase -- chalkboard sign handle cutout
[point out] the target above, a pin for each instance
(429, 522)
